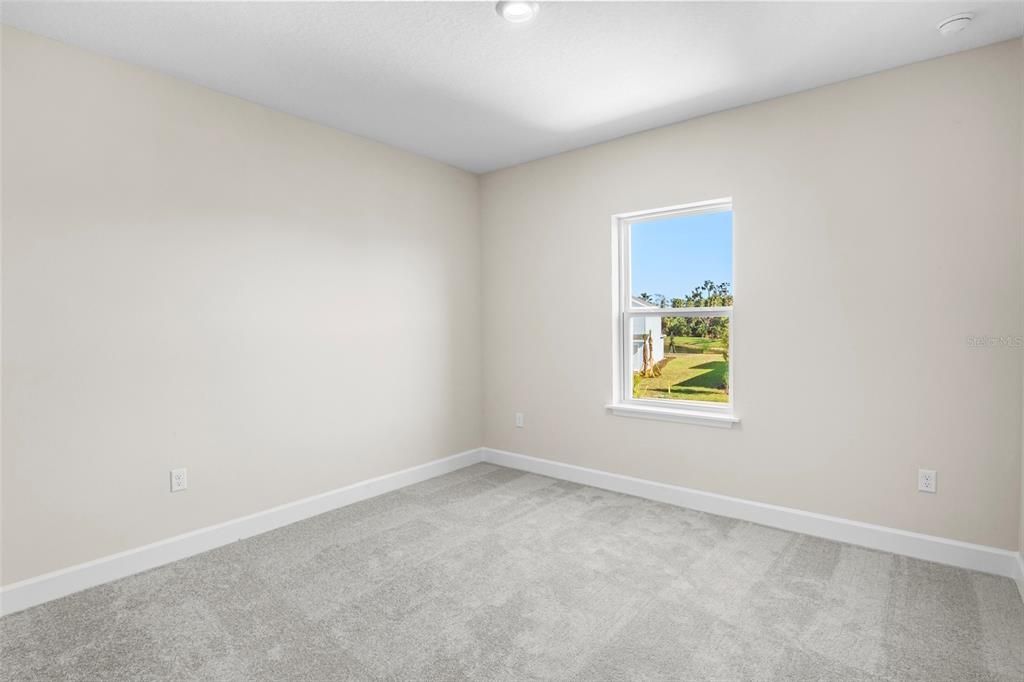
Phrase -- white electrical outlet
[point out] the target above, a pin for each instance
(179, 479)
(519, 420)
(926, 480)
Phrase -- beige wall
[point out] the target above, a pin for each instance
(877, 226)
(192, 280)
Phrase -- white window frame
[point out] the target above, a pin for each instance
(623, 403)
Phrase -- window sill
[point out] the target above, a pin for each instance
(722, 421)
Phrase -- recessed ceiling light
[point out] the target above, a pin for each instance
(954, 24)
(517, 12)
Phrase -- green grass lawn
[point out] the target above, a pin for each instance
(688, 376)
(694, 344)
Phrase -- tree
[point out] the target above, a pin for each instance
(649, 367)
(707, 295)
(673, 327)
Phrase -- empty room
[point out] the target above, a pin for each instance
(512, 341)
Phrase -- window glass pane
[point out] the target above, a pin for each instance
(680, 358)
(682, 261)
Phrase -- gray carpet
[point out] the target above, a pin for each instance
(490, 573)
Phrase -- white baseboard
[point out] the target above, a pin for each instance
(28, 593)
(928, 547)
(1019, 577)
(43, 588)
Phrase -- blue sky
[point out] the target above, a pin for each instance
(673, 255)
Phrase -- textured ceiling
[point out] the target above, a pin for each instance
(454, 82)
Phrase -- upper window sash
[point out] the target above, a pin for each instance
(625, 222)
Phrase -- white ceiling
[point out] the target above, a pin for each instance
(454, 82)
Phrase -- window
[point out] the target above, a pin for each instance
(674, 304)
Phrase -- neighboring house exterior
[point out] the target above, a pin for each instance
(641, 326)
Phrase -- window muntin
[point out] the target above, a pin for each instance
(675, 307)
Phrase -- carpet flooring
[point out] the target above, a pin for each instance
(493, 574)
